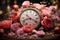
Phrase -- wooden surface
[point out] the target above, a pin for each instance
(47, 37)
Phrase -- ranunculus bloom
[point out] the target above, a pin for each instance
(28, 29)
(40, 33)
(15, 7)
(43, 6)
(51, 7)
(57, 30)
(1, 30)
(6, 23)
(14, 16)
(36, 5)
(46, 11)
(47, 23)
(20, 32)
(11, 34)
(26, 4)
(15, 26)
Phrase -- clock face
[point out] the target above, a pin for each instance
(30, 17)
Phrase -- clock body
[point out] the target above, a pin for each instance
(30, 17)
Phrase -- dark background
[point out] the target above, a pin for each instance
(19, 2)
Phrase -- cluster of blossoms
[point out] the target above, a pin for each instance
(17, 30)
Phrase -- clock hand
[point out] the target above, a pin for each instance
(25, 19)
(28, 16)
(34, 20)
(31, 18)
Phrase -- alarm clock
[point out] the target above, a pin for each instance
(30, 17)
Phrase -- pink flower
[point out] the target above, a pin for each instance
(40, 33)
(14, 16)
(15, 26)
(36, 5)
(28, 29)
(46, 11)
(47, 23)
(6, 23)
(15, 7)
(26, 4)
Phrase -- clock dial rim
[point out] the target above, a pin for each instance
(34, 9)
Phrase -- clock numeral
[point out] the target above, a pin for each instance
(27, 12)
(23, 14)
(30, 24)
(36, 18)
(26, 23)
(23, 17)
(27, 19)
(35, 21)
(30, 11)
(33, 24)
(23, 20)
(35, 14)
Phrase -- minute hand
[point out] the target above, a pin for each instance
(34, 20)
(31, 18)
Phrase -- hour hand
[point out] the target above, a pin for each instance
(25, 19)
(31, 19)
(34, 20)
(28, 16)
